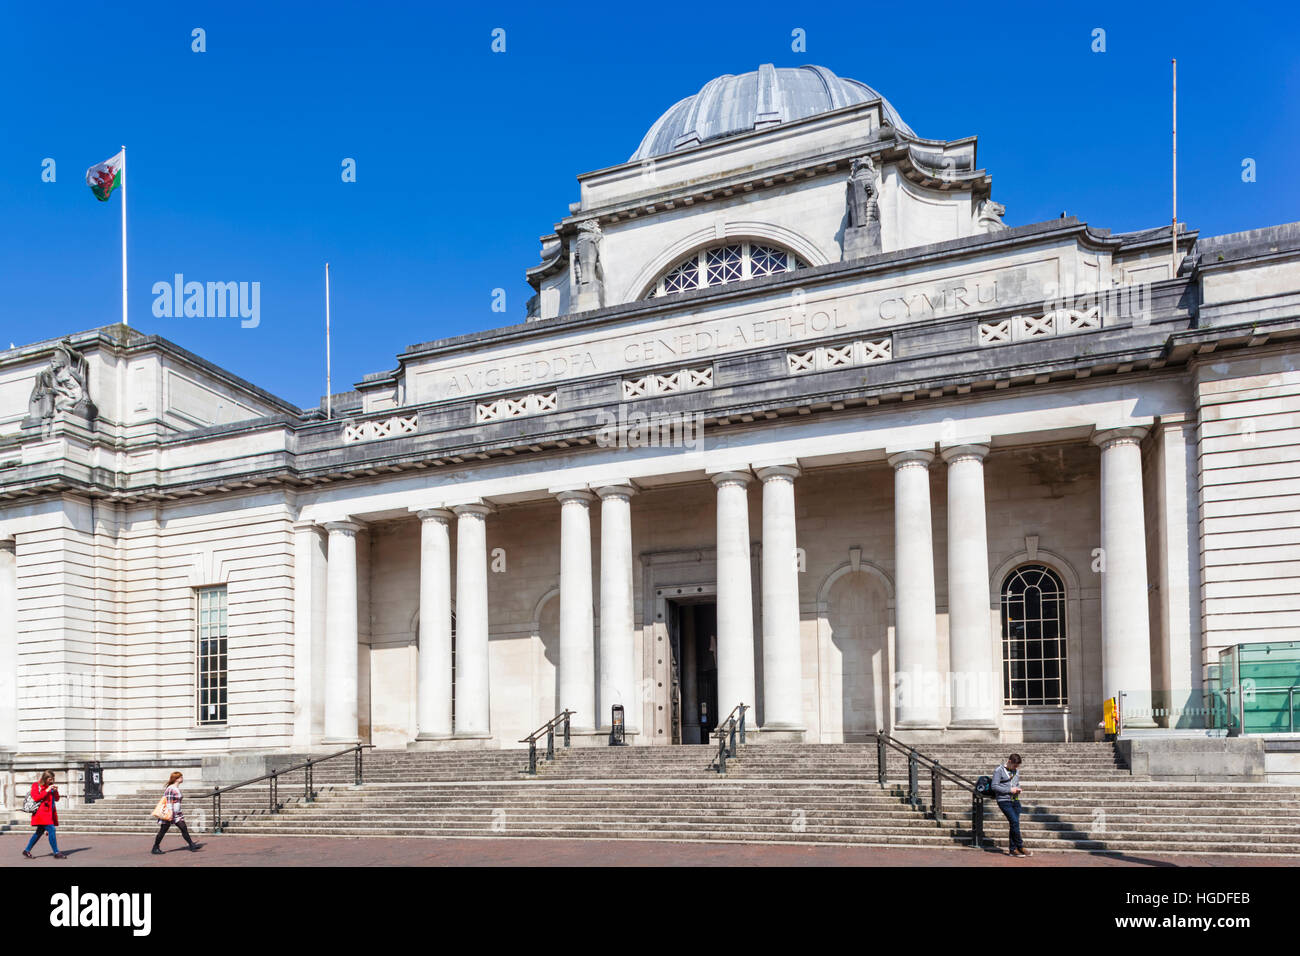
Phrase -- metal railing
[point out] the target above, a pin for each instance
(547, 728)
(726, 735)
(1253, 695)
(938, 774)
(273, 789)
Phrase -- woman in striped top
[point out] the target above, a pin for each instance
(172, 794)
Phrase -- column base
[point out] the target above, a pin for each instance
(337, 742)
(585, 737)
(429, 742)
(776, 734)
(467, 741)
(919, 731)
(977, 729)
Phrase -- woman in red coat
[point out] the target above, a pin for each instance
(46, 817)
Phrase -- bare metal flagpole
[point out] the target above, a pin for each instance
(328, 376)
(1173, 273)
(124, 317)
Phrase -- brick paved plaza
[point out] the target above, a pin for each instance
(102, 850)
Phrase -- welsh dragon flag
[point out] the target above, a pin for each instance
(103, 178)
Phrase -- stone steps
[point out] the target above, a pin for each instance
(1078, 798)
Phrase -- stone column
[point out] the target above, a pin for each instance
(617, 643)
(970, 651)
(309, 596)
(782, 665)
(577, 637)
(433, 694)
(473, 704)
(735, 598)
(1125, 617)
(8, 644)
(341, 634)
(918, 683)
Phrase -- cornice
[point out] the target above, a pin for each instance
(1025, 366)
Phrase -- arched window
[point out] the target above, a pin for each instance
(1033, 637)
(722, 264)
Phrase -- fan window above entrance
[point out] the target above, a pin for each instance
(720, 265)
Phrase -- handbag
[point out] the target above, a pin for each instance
(162, 811)
(31, 805)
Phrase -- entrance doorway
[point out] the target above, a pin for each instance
(693, 630)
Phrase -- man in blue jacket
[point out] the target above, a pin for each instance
(1006, 788)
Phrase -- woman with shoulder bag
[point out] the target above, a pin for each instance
(169, 812)
(45, 816)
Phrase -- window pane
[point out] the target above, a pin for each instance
(210, 655)
(1033, 636)
(727, 263)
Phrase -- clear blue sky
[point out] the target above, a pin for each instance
(464, 157)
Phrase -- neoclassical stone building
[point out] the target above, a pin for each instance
(795, 419)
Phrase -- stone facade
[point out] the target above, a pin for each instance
(858, 451)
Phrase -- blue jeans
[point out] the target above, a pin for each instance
(43, 828)
(1011, 810)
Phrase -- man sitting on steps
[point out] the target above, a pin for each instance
(1006, 788)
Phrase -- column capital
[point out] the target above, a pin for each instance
(737, 477)
(910, 457)
(349, 528)
(788, 471)
(615, 489)
(1105, 437)
(7, 542)
(955, 453)
(480, 508)
(304, 526)
(440, 515)
(581, 495)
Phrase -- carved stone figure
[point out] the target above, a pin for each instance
(587, 265)
(863, 193)
(62, 386)
(587, 252)
(862, 228)
(988, 216)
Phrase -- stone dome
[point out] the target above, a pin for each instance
(730, 105)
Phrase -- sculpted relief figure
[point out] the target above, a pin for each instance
(863, 194)
(587, 266)
(988, 217)
(62, 386)
(862, 230)
(587, 253)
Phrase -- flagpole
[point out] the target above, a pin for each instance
(1173, 273)
(124, 316)
(328, 388)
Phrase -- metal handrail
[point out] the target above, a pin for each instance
(1290, 691)
(274, 776)
(938, 774)
(549, 729)
(742, 707)
(725, 733)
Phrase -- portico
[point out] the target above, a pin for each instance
(769, 567)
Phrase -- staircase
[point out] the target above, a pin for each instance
(1077, 796)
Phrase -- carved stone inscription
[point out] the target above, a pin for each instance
(793, 321)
